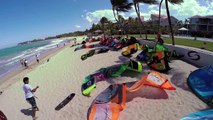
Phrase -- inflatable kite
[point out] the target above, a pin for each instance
(94, 51)
(117, 43)
(201, 115)
(131, 49)
(2, 116)
(157, 58)
(102, 74)
(201, 83)
(109, 103)
(83, 47)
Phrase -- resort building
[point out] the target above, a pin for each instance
(201, 25)
(163, 20)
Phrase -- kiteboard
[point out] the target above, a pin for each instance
(93, 52)
(65, 101)
(201, 83)
(89, 83)
(201, 115)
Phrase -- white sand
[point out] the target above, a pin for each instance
(64, 74)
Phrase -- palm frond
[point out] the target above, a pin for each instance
(146, 1)
(124, 7)
(176, 1)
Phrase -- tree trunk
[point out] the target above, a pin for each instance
(103, 30)
(169, 20)
(159, 16)
(114, 15)
(118, 22)
(122, 26)
(137, 9)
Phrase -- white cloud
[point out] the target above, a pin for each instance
(94, 17)
(153, 7)
(191, 8)
(141, 4)
(133, 14)
(77, 26)
(147, 15)
(187, 9)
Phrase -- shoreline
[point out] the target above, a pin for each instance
(8, 79)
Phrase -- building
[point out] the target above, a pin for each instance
(201, 25)
(163, 20)
(155, 17)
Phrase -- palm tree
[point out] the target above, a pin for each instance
(120, 6)
(137, 8)
(103, 21)
(168, 15)
(110, 27)
(159, 16)
(186, 22)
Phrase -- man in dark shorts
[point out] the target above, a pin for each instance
(28, 90)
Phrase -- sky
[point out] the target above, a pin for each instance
(23, 20)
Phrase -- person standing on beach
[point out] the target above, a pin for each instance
(37, 59)
(22, 62)
(75, 41)
(25, 63)
(159, 39)
(28, 90)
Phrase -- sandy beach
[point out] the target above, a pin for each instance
(64, 73)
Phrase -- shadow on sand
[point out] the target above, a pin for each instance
(122, 59)
(179, 80)
(27, 112)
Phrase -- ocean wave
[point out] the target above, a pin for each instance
(9, 62)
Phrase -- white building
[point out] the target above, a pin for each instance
(202, 24)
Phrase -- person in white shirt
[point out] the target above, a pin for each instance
(37, 59)
(28, 90)
(26, 63)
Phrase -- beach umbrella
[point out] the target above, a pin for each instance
(98, 31)
(183, 29)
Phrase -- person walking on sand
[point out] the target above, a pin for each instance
(37, 59)
(28, 90)
(25, 63)
(22, 62)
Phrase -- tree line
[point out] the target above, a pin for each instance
(131, 25)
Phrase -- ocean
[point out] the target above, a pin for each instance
(10, 57)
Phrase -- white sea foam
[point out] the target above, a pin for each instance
(12, 62)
